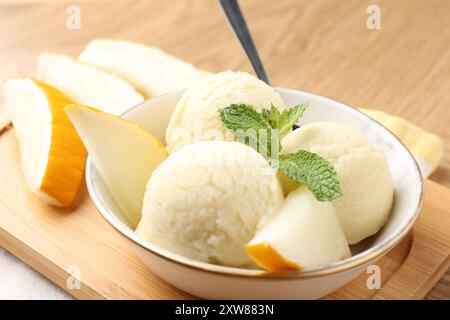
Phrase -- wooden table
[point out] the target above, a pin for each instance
(321, 46)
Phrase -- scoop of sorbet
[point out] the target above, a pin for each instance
(363, 173)
(196, 116)
(206, 201)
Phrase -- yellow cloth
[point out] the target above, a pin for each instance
(423, 145)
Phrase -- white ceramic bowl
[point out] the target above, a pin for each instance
(218, 282)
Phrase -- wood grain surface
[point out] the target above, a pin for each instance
(321, 46)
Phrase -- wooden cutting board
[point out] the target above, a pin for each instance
(57, 242)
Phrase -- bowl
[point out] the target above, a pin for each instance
(219, 282)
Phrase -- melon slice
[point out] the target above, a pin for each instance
(124, 154)
(150, 70)
(52, 154)
(87, 85)
(305, 233)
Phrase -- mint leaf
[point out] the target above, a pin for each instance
(242, 116)
(272, 117)
(258, 129)
(283, 121)
(314, 171)
(290, 116)
(249, 126)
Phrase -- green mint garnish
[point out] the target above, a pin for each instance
(249, 126)
(259, 129)
(283, 121)
(313, 171)
(242, 116)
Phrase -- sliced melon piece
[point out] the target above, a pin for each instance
(305, 233)
(87, 85)
(124, 154)
(150, 70)
(52, 154)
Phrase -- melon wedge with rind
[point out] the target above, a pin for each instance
(124, 154)
(270, 259)
(304, 234)
(87, 85)
(52, 154)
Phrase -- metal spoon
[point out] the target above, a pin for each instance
(236, 19)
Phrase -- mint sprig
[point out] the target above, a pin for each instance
(313, 171)
(257, 129)
(248, 126)
(242, 116)
(284, 120)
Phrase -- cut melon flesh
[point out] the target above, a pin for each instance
(87, 85)
(150, 70)
(52, 154)
(124, 154)
(305, 233)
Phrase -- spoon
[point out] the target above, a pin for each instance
(236, 19)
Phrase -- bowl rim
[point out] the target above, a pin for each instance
(353, 262)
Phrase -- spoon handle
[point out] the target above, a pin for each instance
(239, 26)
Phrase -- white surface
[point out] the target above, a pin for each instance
(18, 281)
